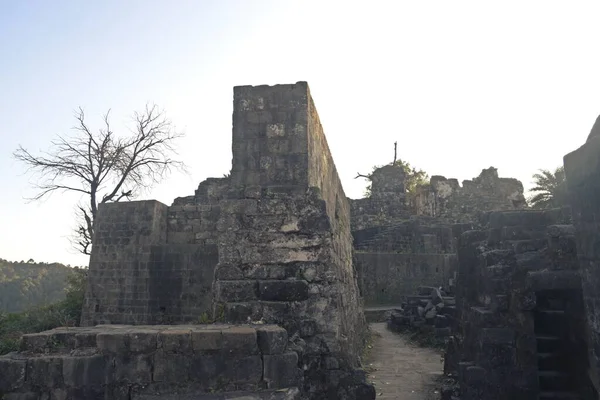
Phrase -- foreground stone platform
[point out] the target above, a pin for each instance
(152, 362)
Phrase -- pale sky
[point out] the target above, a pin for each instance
(461, 85)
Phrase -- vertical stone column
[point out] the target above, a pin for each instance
(118, 280)
(582, 170)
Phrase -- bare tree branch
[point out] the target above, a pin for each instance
(104, 167)
(359, 175)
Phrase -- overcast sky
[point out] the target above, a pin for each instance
(461, 85)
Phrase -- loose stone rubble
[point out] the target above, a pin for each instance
(430, 311)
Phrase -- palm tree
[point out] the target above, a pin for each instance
(550, 189)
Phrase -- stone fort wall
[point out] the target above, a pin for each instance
(271, 243)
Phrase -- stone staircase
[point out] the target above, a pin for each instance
(555, 376)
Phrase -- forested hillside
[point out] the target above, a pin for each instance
(29, 284)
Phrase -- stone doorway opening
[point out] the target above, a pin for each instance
(559, 323)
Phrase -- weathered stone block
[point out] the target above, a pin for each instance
(207, 340)
(85, 371)
(12, 374)
(240, 340)
(170, 367)
(115, 342)
(142, 342)
(272, 339)
(85, 339)
(228, 273)
(245, 370)
(236, 291)
(175, 341)
(281, 370)
(35, 342)
(283, 290)
(46, 372)
(207, 369)
(133, 368)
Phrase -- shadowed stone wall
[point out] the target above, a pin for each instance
(582, 170)
(519, 310)
(151, 264)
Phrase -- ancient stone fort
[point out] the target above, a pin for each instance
(255, 286)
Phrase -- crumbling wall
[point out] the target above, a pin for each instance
(446, 199)
(582, 170)
(285, 249)
(504, 273)
(386, 203)
(424, 224)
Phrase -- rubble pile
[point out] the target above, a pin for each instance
(429, 311)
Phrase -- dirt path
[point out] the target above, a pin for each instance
(400, 370)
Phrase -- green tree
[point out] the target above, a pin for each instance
(413, 177)
(550, 190)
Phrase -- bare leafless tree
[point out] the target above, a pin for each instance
(104, 167)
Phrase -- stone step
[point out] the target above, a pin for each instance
(558, 395)
(550, 361)
(547, 343)
(281, 394)
(554, 380)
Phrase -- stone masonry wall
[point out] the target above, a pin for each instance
(285, 249)
(582, 170)
(152, 362)
(118, 282)
(151, 264)
(387, 278)
(504, 273)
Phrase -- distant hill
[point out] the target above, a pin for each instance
(29, 284)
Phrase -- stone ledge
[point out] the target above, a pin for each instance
(82, 362)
